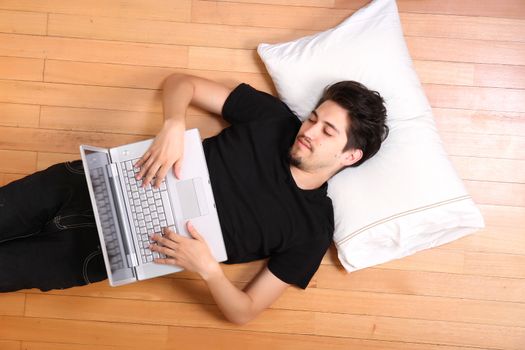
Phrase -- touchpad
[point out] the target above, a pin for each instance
(191, 198)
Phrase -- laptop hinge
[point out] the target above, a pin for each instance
(119, 203)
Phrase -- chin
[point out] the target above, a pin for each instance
(294, 160)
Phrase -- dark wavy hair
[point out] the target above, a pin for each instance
(367, 116)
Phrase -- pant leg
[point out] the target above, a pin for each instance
(48, 237)
(27, 204)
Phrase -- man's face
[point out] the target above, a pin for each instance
(320, 141)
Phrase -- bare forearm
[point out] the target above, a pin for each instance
(176, 96)
(233, 302)
(193, 254)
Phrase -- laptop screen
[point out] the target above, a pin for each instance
(103, 198)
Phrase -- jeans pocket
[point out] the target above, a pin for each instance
(77, 220)
(93, 269)
(75, 167)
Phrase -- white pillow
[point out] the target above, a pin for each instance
(408, 197)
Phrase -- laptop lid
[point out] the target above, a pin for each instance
(113, 245)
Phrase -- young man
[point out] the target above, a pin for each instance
(268, 174)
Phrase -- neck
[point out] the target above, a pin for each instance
(306, 180)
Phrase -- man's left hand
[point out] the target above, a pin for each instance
(192, 254)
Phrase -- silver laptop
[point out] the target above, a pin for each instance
(126, 214)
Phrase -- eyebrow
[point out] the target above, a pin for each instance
(327, 123)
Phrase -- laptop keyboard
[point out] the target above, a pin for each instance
(107, 220)
(148, 210)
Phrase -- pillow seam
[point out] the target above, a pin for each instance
(395, 216)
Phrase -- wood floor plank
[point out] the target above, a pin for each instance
(228, 339)
(482, 169)
(463, 50)
(480, 145)
(479, 122)
(468, 26)
(507, 9)
(420, 331)
(463, 27)
(118, 75)
(504, 231)
(499, 75)
(139, 123)
(468, 74)
(262, 15)
(19, 115)
(206, 338)
(160, 313)
(7, 178)
(22, 162)
(495, 239)
(318, 323)
(503, 265)
(245, 61)
(441, 72)
(45, 160)
(507, 100)
(10, 345)
(423, 283)
(167, 32)
(58, 141)
(27, 46)
(155, 9)
(321, 300)
(21, 68)
(33, 46)
(23, 22)
(496, 193)
(84, 332)
(12, 304)
(459, 262)
(102, 120)
(65, 346)
(52, 94)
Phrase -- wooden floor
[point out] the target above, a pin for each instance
(89, 71)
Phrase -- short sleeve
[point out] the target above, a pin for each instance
(246, 104)
(298, 264)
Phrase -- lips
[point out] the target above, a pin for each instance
(303, 143)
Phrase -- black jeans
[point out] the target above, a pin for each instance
(48, 236)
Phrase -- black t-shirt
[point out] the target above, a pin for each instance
(261, 210)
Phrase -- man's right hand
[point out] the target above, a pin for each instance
(165, 152)
(178, 91)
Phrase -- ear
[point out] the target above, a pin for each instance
(351, 156)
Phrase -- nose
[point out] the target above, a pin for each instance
(312, 130)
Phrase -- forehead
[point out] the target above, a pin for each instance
(335, 115)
